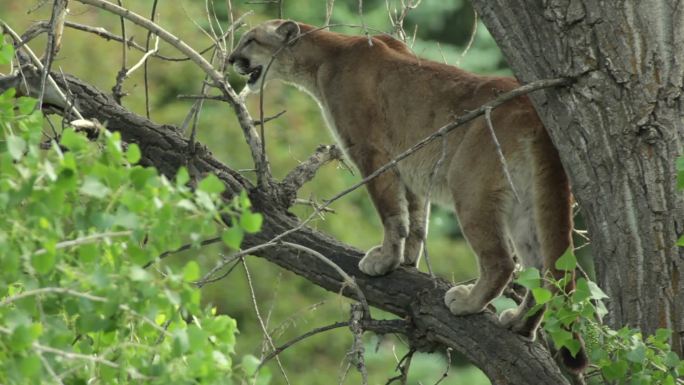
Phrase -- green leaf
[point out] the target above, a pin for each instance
(244, 200)
(529, 278)
(573, 346)
(680, 242)
(638, 354)
(6, 52)
(251, 222)
(94, 188)
(615, 370)
(30, 366)
(541, 295)
(191, 271)
(26, 105)
(567, 261)
(21, 337)
(211, 185)
(72, 140)
(44, 262)
(250, 364)
(197, 337)
(671, 360)
(502, 303)
(232, 237)
(596, 292)
(582, 291)
(663, 335)
(16, 147)
(560, 337)
(182, 177)
(181, 343)
(133, 154)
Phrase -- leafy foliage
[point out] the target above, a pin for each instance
(80, 221)
(618, 356)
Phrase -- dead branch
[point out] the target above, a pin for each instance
(244, 117)
(303, 173)
(267, 336)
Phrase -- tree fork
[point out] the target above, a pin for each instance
(618, 130)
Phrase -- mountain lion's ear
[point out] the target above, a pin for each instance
(288, 30)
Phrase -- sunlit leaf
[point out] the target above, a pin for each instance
(541, 295)
(251, 222)
(133, 153)
(567, 261)
(211, 184)
(529, 278)
(232, 237)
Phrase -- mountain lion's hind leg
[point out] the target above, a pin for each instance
(387, 193)
(418, 216)
(481, 225)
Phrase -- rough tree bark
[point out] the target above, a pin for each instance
(505, 357)
(618, 129)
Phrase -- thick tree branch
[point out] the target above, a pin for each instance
(504, 356)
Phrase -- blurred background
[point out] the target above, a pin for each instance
(290, 305)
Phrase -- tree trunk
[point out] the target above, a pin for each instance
(619, 129)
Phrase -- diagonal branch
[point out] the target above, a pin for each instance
(504, 356)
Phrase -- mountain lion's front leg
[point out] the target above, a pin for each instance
(386, 191)
(418, 216)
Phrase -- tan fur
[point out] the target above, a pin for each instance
(380, 100)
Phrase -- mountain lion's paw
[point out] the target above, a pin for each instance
(460, 302)
(376, 262)
(509, 317)
(412, 251)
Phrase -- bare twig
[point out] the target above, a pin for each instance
(357, 351)
(426, 207)
(363, 24)
(50, 290)
(88, 239)
(231, 20)
(117, 92)
(261, 320)
(300, 338)
(314, 204)
(347, 279)
(54, 42)
(329, 6)
(203, 282)
(499, 152)
(291, 320)
(81, 357)
(403, 367)
(471, 40)
(445, 374)
(397, 20)
(50, 369)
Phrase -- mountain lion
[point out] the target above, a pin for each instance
(379, 99)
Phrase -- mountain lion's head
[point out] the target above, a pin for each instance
(261, 45)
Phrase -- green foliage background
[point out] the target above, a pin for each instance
(291, 305)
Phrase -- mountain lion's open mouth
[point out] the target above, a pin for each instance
(255, 75)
